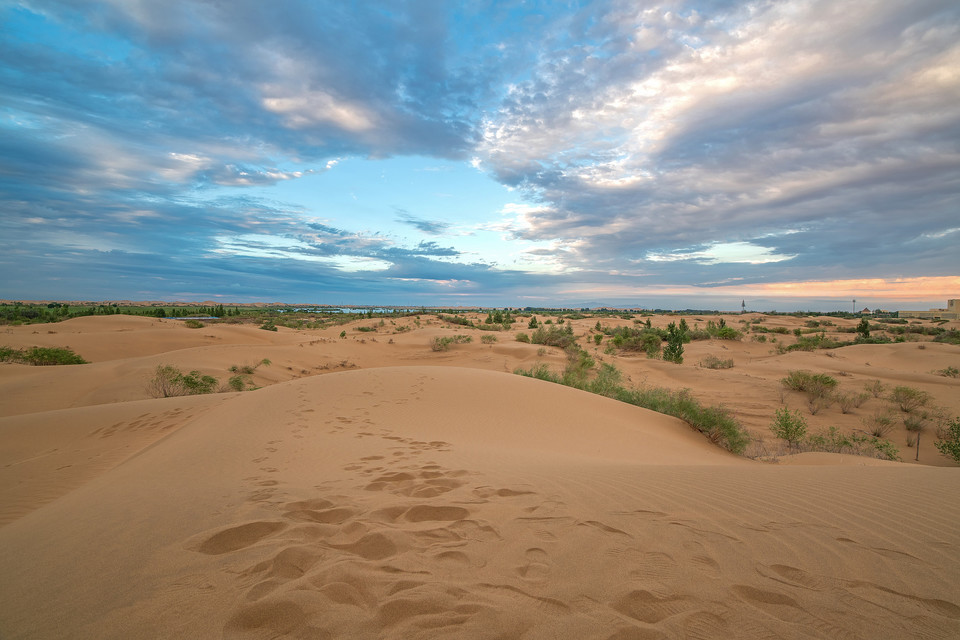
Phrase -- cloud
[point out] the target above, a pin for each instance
(429, 227)
(680, 145)
(674, 127)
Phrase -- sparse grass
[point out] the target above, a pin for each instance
(948, 372)
(41, 356)
(714, 362)
(488, 339)
(716, 423)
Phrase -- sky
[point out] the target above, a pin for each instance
(786, 155)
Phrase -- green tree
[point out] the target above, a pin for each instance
(673, 352)
(863, 329)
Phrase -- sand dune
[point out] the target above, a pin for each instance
(411, 494)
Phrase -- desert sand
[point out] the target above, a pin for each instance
(374, 488)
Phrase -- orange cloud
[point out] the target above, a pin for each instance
(904, 289)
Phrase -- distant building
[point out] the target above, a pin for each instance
(952, 312)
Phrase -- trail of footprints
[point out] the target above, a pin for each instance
(421, 560)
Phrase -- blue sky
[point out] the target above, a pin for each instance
(794, 154)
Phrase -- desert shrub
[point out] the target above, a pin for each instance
(789, 425)
(237, 383)
(540, 372)
(268, 325)
(914, 421)
(875, 387)
(713, 362)
(860, 398)
(554, 336)
(522, 337)
(488, 339)
(366, 329)
(169, 381)
(441, 343)
(460, 320)
(41, 356)
(949, 336)
(948, 440)
(879, 424)
(193, 324)
(847, 401)
(948, 372)
(343, 334)
(760, 338)
(815, 384)
(597, 338)
(248, 369)
(833, 441)
(579, 364)
(908, 398)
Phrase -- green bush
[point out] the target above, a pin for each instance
(488, 339)
(832, 441)
(193, 324)
(169, 381)
(815, 384)
(908, 398)
(789, 425)
(268, 325)
(522, 337)
(41, 356)
(948, 372)
(554, 336)
(948, 440)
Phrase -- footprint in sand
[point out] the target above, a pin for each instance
(536, 566)
(239, 537)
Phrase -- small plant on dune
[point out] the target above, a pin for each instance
(789, 425)
(441, 343)
(875, 387)
(268, 325)
(169, 381)
(948, 440)
(343, 334)
(522, 337)
(849, 401)
(879, 424)
(193, 324)
(713, 362)
(908, 398)
(249, 368)
(816, 384)
(948, 372)
(488, 339)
